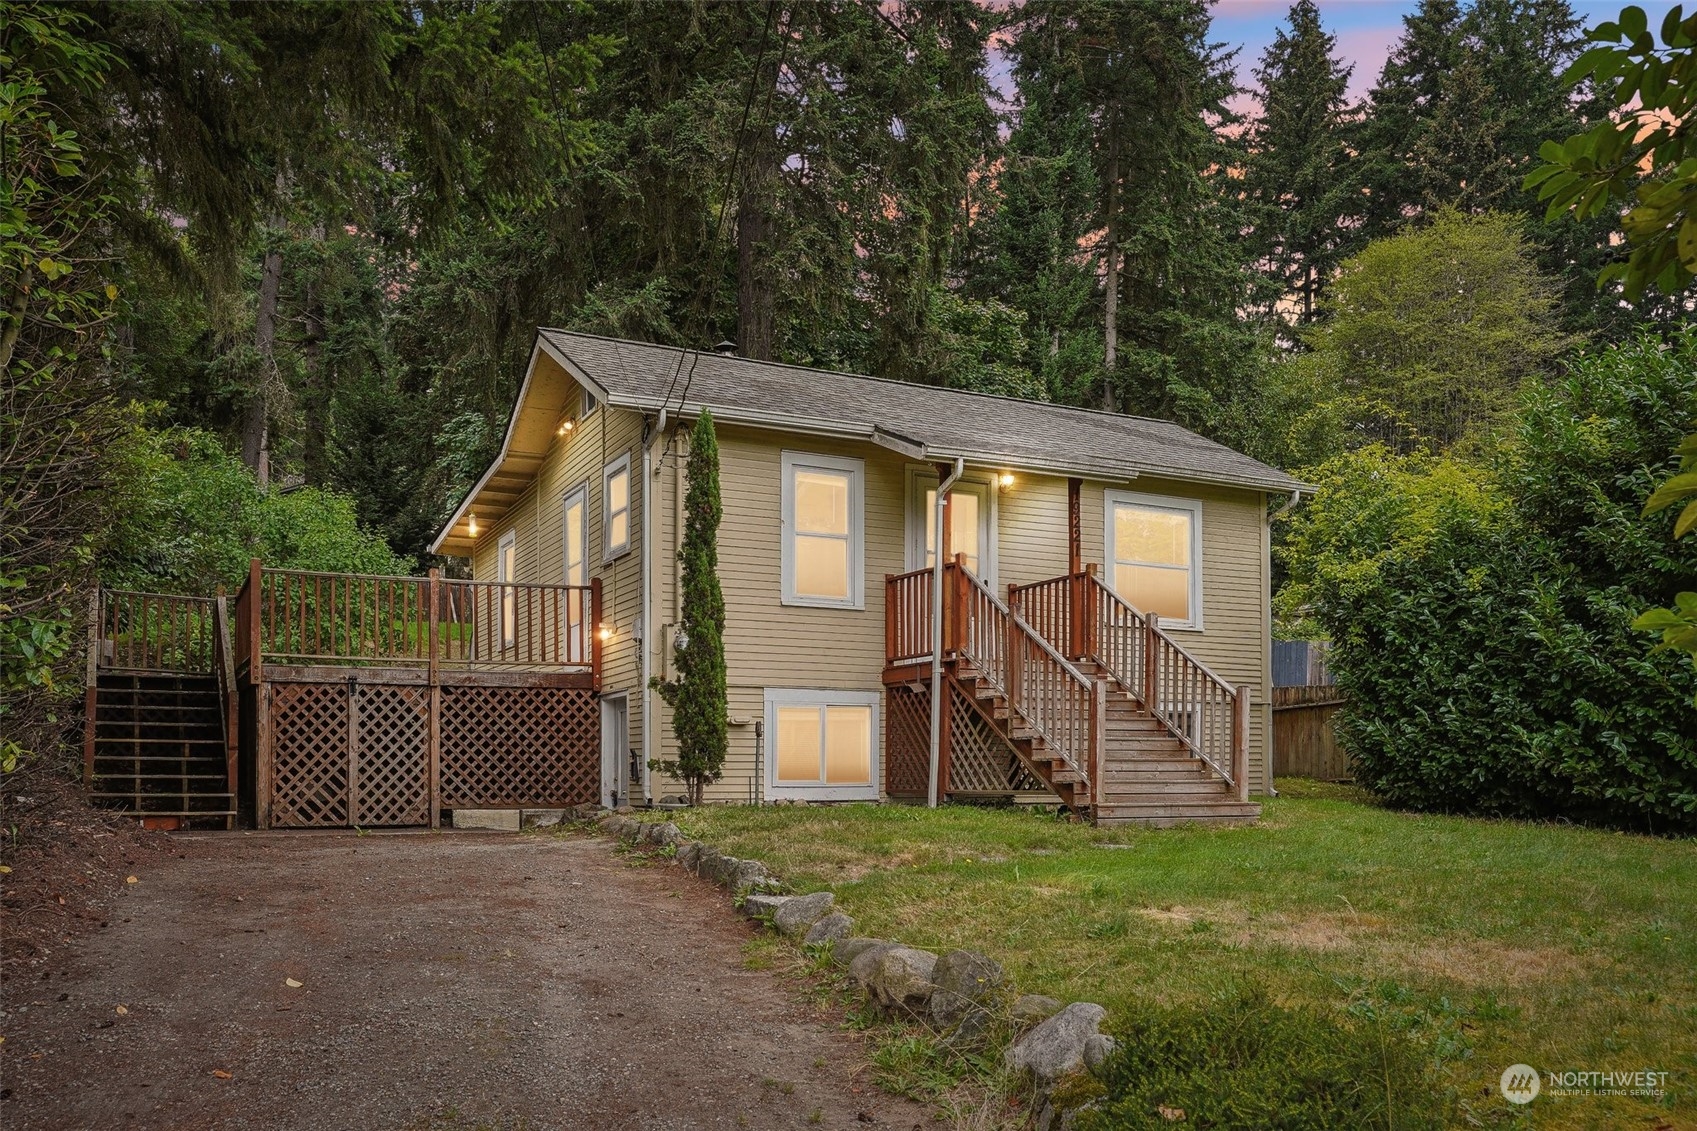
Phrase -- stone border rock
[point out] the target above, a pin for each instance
(961, 994)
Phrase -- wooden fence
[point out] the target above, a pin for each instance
(1304, 744)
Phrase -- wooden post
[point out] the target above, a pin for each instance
(353, 749)
(1016, 654)
(889, 619)
(595, 628)
(945, 739)
(1090, 606)
(91, 687)
(255, 581)
(1098, 736)
(961, 597)
(1075, 530)
(1240, 742)
(1075, 566)
(946, 538)
(262, 755)
(433, 709)
(1151, 647)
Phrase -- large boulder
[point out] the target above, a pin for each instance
(800, 913)
(896, 978)
(1056, 1048)
(830, 929)
(965, 981)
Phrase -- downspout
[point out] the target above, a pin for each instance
(646, 617)
(943, 489)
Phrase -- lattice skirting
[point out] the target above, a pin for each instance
(358, 754)
(511, 747)
(907, 741)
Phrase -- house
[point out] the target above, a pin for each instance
(1105, 585)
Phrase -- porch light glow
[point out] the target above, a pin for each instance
(474, 526)
(1005, 480)
(605, 632)
(565, 426)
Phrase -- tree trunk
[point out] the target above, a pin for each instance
(1111, 329)
(756, 299)
(315, 408)
(256, 431)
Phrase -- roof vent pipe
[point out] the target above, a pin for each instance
(726, 349)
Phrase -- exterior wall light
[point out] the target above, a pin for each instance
(605, 632)
(565, 426)
(1005, 480)
(474, 526)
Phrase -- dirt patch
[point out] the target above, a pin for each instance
(69, 863)
(445, 981)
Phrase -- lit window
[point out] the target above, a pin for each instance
(822, 554)
(576, 539)
(1154, 545)
(969, 524)
(506, 569)
(823, 744)
(615, 507)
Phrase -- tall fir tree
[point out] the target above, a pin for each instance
(1300, 177)
(1133, 96)
(698, 696)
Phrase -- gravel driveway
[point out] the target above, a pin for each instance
(446, 981)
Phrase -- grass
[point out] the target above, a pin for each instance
(1491, 942)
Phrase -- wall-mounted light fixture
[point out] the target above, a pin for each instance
(605, 632)
(474, 526)
(566, 424)
(1005, 480)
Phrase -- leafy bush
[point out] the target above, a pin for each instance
(1245, 1061)
(194, 516)
(1481, 619)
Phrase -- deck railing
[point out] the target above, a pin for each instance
(1092, 622)
(301, 617)
(154, 632)
(1054, 700)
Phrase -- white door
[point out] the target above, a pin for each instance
(971, 530)
(615, 750)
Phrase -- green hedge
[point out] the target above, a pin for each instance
(1481, 616)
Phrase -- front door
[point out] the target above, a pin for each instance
(971, 526)
(615, 750)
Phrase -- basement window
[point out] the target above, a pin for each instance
(824, 744)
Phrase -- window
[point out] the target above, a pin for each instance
(506, 569)
(971, 524)
(1154, 545)
(823, 744)
(576, 572)
(615, 507)
(822, 550)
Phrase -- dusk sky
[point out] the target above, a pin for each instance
(1366, 29)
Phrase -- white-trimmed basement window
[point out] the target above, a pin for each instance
(823, 536)
(1154, 550)
(506, 571)
(823, 744)
(615, 508)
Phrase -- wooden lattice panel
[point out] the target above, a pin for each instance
(907, 742)
(391, 755)
(520, 746)
(309, 755)
(980, 760)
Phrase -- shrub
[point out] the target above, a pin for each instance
(1245, 1061)
(1481, 619)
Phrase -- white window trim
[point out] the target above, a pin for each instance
(814, 697)
(580, 495)
(509, 596)
(609, 552)
(921, 479)
(856, 471)
(1192, 507)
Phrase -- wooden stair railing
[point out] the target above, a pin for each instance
(1055, 716)
(1203, 711)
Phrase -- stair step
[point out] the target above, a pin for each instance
(110, 777)
(157, 740)
(1161, 814)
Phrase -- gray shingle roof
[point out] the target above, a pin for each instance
(948, 422)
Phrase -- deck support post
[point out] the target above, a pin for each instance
(595, 640)
(433, 716)
(1075, 566)
(1240, 742)
(1098, 737)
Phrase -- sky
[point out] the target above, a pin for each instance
(1366, 30)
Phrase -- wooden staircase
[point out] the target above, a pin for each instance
(1068, 690)
(160, 730)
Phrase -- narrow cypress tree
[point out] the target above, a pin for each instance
(697, 697)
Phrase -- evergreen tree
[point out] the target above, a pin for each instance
(1135, 94)
(698, 696)
(1300, 178)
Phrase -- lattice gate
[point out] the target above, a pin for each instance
(980, 760)
(341, 753)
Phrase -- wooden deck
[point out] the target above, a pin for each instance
(1084, 694)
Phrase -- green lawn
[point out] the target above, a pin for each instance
(1495, 942)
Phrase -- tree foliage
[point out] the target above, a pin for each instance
(698, 696)
(1480, 616)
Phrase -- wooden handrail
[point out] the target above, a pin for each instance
(907, 617)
